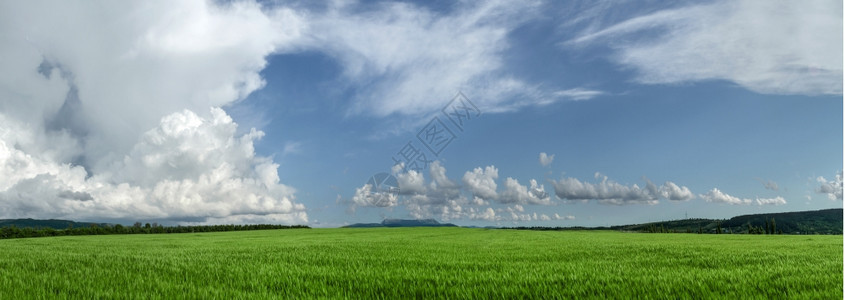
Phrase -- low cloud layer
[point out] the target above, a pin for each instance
(481, 198)
(479, 195)
(443, 198)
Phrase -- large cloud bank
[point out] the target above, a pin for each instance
(105, 111)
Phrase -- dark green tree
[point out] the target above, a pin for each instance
(774, 227)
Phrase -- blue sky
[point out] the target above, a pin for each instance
(588, 113)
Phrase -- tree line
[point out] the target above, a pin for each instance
(12, 232)
(770, 227)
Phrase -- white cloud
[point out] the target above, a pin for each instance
(487, 215)
(482, 182)
(367, 195)
(567, 217)
(440, 182)
(479, 201)
(765, 46)
(187, 168)
(833, 188)
(410, 183)
(517, 213)
(578, 94)
(517, 193)
(611, 192)
(771, 201)
(439, 198)
(672, 191)
(83, 83)
(444, 199)
(545, 159)
(404, 58)
(131, 69)
(717, 196)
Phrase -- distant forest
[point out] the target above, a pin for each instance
(827, 221)
(42, 228)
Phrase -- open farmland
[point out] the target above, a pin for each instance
(421, 262)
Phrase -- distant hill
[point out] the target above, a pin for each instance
(403, 223)
(55, 224)
(826, 221)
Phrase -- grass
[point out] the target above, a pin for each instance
(422, 263)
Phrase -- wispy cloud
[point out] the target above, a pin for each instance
(717, 196)
(403, 58)
(292, 148)
(764, 46)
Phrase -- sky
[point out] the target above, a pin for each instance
(478, 113)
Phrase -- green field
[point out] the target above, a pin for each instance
(421, 262)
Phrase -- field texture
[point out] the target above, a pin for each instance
(422, 262)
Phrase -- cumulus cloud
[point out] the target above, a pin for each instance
(545, 159)
(187, 168)
(610, 192)
(443, 198)
(764, 46)
(672, 191)
(105, 110)
(832, 188)
(517, 193)
(716, 196)
(441, 186)
(367, 195)
(482, 182)
(411, 182)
